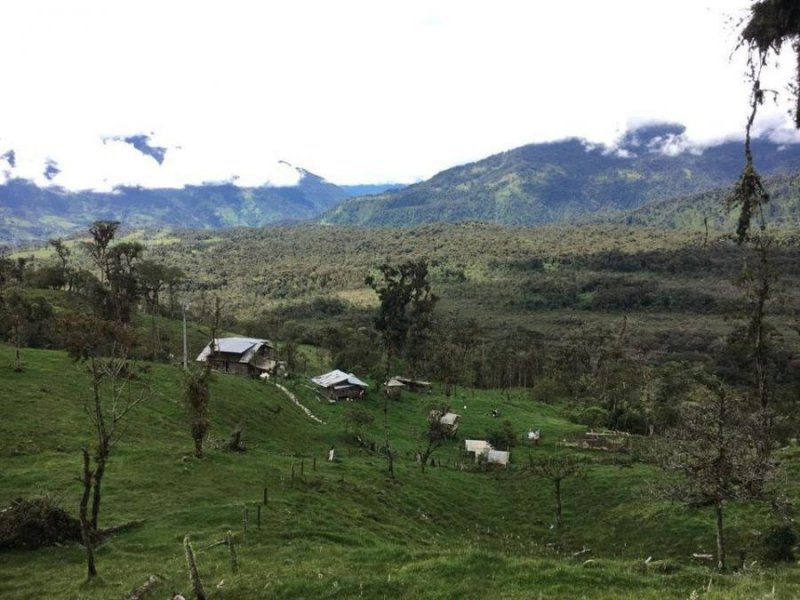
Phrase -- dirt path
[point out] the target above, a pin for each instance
(296, 402)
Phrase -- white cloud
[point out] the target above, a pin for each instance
(355, 90)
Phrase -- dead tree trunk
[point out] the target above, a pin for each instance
(86, 527)
(194, 576)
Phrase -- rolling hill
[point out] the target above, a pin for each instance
(344, 529)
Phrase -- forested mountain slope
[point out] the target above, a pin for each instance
(29, 212)
(566, 181)
(782, 210)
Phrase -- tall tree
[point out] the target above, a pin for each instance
(102, 233)
(123, 278)
(406, 304)
(153, 279)
(63, 253)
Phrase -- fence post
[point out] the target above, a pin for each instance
(232, 552)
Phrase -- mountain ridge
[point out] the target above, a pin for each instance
(30, 213)
(566, 181)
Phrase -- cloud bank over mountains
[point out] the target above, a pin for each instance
(148, 160)
(104, 163)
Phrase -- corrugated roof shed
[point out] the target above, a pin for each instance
(336, 378)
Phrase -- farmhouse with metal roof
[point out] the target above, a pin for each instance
(240, 355)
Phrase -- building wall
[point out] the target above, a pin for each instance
(231, 365)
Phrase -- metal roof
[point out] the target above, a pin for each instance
(336, 378)
(235, 345)
(449, 419)
(408, 380)
(477, 446)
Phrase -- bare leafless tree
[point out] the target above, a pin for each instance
(714, 453)
(556, 469)
(116, 386)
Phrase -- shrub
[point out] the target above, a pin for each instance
(779, 543)
(593, 417)
(549, 390)
(29, 523)
(504, 438)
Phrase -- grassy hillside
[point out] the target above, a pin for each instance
(343, 529)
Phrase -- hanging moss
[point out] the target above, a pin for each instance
(749, 195)
(772, 24)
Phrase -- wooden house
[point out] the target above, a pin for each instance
(337, 385)
(240, 355)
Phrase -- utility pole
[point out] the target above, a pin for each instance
(185, 345)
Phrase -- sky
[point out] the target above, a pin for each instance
(164, 93)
